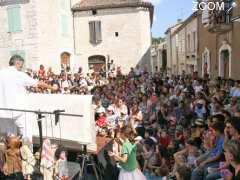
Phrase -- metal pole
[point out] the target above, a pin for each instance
(42, 112)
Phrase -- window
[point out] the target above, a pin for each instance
(116, 34)
(14, 18)
(95, 32)
(94, 12)
(188, 42)
(64, 24)
(11, 2)
(194, 41)
(19, 52)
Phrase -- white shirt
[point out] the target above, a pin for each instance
(83, 83)
(65, 84)
(12, 84)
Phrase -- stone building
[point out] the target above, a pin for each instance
(39, 30)
(171, 48)
(219, 43)
(179, 50)
(191, 43)
(182, 45)
(113, 31)
(159, 57)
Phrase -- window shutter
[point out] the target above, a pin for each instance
(19, 52)
(98, 31)
(92, 32)
(14, 19)
(64, 21)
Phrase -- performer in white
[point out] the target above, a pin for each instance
(13, 82)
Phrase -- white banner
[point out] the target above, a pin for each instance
(78, 129)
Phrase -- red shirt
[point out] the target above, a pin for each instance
(41, 72)
(165, 141)
(101, 121)
(180, 137)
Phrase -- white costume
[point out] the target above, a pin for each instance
(12, 84)
(28, 160)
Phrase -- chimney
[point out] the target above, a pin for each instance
(179, 21)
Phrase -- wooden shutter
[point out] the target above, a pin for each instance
(95, 32)
(98, 31)
(14, 18)
(92, 32)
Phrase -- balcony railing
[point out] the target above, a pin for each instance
(11, 2)
(220, 19)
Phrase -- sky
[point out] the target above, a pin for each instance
(166, 13)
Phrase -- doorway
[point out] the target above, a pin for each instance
(97, 62)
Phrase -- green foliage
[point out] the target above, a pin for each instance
(157, 40)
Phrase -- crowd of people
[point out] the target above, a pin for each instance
(179, 127)
(182, 126)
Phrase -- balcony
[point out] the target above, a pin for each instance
(220, 20)
(12, 2)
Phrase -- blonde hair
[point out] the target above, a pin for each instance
(233, 146)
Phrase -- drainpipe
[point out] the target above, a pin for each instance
(170, 53)
(217, 57)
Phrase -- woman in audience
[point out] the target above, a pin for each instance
(232, 155)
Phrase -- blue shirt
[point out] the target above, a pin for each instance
(200, 112)
(218, 148)
(234, 92)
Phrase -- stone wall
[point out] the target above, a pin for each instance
(25, 40)
(131, 47)
(207, 41)
(41, 37)
(236, 44)
(52, 40)
(214, 43)
(192, 27)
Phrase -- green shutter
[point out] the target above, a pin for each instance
(64, 21)
(14, 18)
(19, 52)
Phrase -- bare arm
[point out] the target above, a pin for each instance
(123, 158)
(42, 84)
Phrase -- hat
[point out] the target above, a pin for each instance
(154, 139)
(201, 101)
(138, 138)
(199, 122)
(110, 108)
(124, 111)
(100, 110)
(185, 90)
(149, 141)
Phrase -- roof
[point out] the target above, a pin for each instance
(180, 25)
(172, 28)
(187, 21)
(86, 5)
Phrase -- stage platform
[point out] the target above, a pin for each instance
(101, 143)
